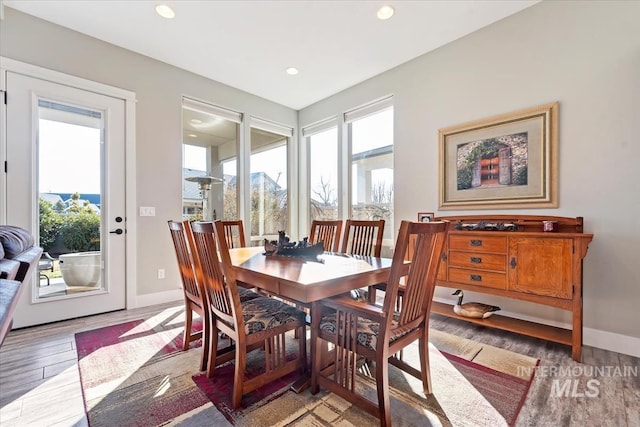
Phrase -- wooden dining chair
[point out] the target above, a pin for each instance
(359, 330)
(259, 323)
(193, 294)
(234, 233)
(327, 232)
(362, 237)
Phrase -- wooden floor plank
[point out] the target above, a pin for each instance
(631, 388)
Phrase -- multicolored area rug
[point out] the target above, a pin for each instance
(136, 374)
(465, 393)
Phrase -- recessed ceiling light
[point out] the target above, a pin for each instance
(193, 135)
(195, 121)
(165, 11)
(292, 71)
(385, 12)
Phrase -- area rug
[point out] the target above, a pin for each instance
(135, 373)
(465, 393)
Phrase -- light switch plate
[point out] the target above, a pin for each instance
(147, 211)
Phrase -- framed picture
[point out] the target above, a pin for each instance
(503, 162)
(425, 216)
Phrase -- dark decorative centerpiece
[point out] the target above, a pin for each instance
(301, 249)
(486, 226)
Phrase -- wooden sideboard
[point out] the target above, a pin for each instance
(511, 256)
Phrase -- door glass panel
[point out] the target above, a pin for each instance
(323, 175)
(208, 157)
(372, 171)
(69, 158)
(269, 198)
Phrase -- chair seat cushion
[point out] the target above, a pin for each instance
(263, 313)
(247, 294)
(367, 330)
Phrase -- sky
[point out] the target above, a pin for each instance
(69, 158)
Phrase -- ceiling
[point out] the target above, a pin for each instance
(249, 44)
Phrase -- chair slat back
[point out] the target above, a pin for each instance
(422, 271)
(362, 237)
(223, 300)
(234, 233)
(186, 262)
(327, 232)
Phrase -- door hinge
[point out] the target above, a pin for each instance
(4, 96)
(5, 166)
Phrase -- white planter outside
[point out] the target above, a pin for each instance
(80, 269)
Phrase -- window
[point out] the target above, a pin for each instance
(268, 190)
(371, 143)
(209, 152)
(230, 202)
(323, 175)
(350, 167)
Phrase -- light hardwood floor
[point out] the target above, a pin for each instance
(40, 384)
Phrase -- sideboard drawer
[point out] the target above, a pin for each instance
(478, 243)
(484, 278)
(485, 261)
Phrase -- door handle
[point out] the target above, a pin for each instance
(117, 231)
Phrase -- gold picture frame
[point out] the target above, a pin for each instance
(503, 162)
(425, 216)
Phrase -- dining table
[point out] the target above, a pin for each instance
(305, 281)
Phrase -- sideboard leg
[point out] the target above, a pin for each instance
(576, 333)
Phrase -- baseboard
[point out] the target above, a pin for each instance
(592, 337)
(159, 298)
(611, 341)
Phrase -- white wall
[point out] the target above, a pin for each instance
(159, 89)
(586, 55)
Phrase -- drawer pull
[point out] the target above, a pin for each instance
(513, 262)
(476, 242)
(475, 260)
(443, 257)
(475, 277)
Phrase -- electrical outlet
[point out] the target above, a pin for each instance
(161, 273)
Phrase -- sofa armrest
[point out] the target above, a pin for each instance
(28, 260)
(9, 294)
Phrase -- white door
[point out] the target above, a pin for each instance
(65, 182)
